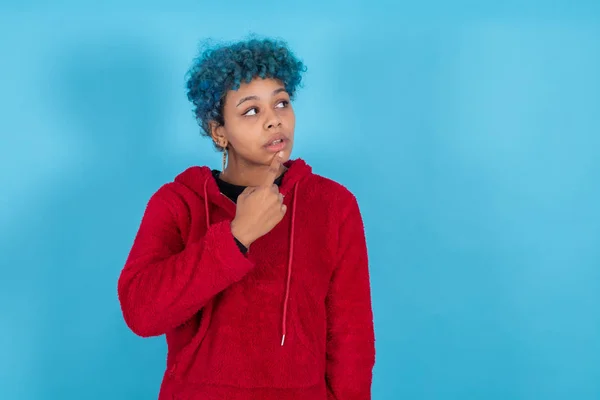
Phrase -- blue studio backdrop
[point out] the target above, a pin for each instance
(469, 132)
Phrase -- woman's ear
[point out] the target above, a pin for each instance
(217, 133)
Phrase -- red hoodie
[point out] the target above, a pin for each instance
(291, 319)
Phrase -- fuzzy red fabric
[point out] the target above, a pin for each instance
(292, 319)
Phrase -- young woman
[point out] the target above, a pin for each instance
(257, 274)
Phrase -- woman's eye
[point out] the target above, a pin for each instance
(254, 110)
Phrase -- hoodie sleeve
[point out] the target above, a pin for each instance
(350, 328)
(163, 284)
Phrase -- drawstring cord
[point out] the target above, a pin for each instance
(289, 269)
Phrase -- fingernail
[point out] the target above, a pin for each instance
(280, 154)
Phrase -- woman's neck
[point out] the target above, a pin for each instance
(243, 173)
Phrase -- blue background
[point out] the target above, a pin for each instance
(469, 131)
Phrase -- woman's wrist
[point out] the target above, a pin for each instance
(240, 235)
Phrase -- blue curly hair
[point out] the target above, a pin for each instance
(224, 67)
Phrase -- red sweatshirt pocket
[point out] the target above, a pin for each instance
(242, 346)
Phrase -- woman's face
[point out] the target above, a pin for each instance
(259, 122)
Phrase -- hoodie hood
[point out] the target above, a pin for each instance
(201, 181)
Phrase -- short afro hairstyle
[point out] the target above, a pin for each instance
(223, 67)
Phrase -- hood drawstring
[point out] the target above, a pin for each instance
(206, 210)
(289, 268)
(290, 255)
